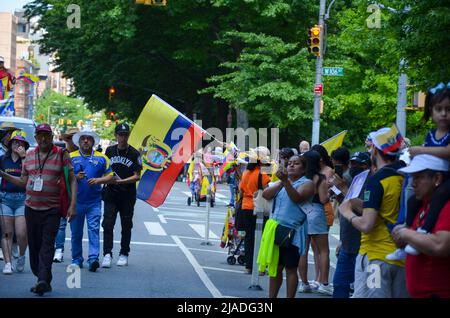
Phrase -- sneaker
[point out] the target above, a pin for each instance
(397, 255)
(106, 263)
(122, 261)
(1, 255)
(93, 266)
(59, 256)
(8, 270)
(20, 264)
(325, 289)
(304, 288)
(314, 285)
(15, 250)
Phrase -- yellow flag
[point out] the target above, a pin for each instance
(191, 170)
(4, 94)
(334, 142)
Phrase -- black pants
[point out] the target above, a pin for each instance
(438, 200)
(122, 203)
(42, 227)
(249, 239)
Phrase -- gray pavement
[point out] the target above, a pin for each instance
(167, 259)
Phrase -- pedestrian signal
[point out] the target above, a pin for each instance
(314, 40)
(61, 122)
(112, 92)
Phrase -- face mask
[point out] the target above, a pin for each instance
(354, 171)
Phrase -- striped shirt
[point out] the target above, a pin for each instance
(48, 198)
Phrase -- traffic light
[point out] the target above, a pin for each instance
(107, 123)
(152, 2)
(61, 122)
(112, 92)
(314, 40)
(111, 115)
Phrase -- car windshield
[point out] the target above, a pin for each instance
(29, 130)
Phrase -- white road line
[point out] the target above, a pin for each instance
(223, 269)
(187, 220)
(155, 209)
(154, 228)
(187, 193)
(200, 229)
(162, 219)
(192, 215)
(195, 210)
(137, 243)
(199, 249)
(220, 195)
(200, 272)
(196, 238)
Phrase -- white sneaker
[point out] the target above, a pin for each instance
(304, 288)
(411, 250)
(398, 255)
(314, 285)
(123, 260)
(1, 255)
(8, 270)
(20, 264)
(15, 250)
(59, 256)
(106, 263)
(325, 290)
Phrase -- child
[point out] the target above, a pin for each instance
(437, 143)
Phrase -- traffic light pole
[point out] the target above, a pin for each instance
(319, 70)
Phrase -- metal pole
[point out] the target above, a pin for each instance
(319, 63)
(208, 205)
(258, 233)
(402, 99)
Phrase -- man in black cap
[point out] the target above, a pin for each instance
(120, 194)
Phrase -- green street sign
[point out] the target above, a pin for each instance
(333, 71)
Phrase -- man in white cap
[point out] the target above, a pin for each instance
(427, 270)
(91, 169)
(380, 211)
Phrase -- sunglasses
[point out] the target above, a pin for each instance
(438, 88)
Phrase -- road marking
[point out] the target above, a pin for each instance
(187, 220)
(195, 210)
(193, 215)
(200, 229)
(195, 238)
(155, 209)
(223, 269)
(199, 249)
(200, 272)
(154, 228)
(162, 219)
(136, 243)
(219, 197)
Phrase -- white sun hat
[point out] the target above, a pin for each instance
(426, 162)
(77, 136)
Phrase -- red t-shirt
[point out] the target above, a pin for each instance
(428, 276)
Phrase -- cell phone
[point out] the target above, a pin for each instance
(339, 170)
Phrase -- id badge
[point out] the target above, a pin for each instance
(38, 183)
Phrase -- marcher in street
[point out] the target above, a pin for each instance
(120, 194)
(92, 169)
(41, 173)
(61, 236)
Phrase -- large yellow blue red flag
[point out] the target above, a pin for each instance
(334, 142)
(166, 140)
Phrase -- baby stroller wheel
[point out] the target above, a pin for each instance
(231, 260)
(241, 260)
(198, 202)
(189, 201)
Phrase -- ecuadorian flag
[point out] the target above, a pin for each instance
(166, 140)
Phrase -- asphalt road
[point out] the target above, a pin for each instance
(167, 259)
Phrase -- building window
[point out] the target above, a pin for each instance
(22, 28)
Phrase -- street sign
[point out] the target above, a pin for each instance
(333, 71)
(318, 88)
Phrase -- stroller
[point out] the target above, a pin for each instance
(199, 191)
(233, 240)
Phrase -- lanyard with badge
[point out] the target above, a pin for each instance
(38, 182)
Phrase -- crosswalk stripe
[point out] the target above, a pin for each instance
(190, 220)
(162, 219)
(154, 228)
(200, 229)
(155, 209)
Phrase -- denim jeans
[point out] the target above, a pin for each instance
(232, 187)
(92, 214)
(61, 236)
(344, 274)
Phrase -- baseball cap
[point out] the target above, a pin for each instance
(361, 157)
(2, 59)
(43, 128)
(122, 128)
(426, 162)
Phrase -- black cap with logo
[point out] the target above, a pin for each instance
(122, 129)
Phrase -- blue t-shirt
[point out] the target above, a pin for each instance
(12, 168)
(431, 141)
(95, 166)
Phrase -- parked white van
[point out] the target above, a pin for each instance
(27, 125)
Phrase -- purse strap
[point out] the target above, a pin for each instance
(260, 187)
